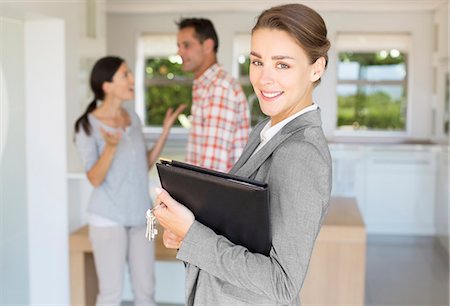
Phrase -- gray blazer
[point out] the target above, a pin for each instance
(296, 164)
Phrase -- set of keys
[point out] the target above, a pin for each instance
(151, 231)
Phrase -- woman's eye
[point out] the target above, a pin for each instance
(256, 63)
(282, 66)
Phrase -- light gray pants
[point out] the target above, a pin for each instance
(113, 247)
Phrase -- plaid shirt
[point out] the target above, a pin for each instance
(220, 121)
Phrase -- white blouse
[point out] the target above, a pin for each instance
(269, 131)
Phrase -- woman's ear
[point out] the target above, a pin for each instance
(106, 86)
(317, 69)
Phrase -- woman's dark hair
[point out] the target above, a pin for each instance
(203, 28)
(103, 71)
(303, 24)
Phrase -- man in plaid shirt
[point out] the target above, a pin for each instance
(220, 115)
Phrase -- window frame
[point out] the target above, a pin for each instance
(153, 45)
(374, 42)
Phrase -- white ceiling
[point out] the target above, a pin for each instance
(168, 6)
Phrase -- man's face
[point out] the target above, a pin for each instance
(191, 50)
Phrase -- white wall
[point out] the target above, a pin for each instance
(33, 252)
(46, 152)
(45, 96)
(124, 28)
(13, 195)
(81, 51)
(441, 63)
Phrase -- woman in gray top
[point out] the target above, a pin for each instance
(116, 161)
(289, 152)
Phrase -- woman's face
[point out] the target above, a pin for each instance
(122, 84)
(281, 74)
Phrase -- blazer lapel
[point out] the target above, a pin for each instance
(251, 145)
(246, 166)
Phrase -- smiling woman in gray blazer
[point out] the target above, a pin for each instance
(288, 151)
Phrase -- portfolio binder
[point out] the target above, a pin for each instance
(232, 206)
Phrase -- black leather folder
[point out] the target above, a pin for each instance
(232, 206)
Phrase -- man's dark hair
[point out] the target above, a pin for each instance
(204, 29)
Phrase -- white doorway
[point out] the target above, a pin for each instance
(33, 185)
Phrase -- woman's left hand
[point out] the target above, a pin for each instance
(172, 215)
(172, 115)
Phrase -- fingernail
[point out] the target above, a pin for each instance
(158, 190)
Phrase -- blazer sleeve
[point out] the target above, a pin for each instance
(300, 184)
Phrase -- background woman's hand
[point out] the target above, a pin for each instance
(172, 115)
(112, 139)
(172, 215)
(97, 173)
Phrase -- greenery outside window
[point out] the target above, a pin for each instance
(160, 82)
(166, 85)
(372, 91)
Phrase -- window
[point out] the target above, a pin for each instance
(242, 57)
(160, 81)
(372, 82)
(166, 85)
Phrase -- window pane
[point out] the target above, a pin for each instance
(371, 107)
(167, 86)
(244, 65)
(165, 67)
(372, 66)
(372, 90)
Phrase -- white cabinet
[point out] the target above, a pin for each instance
(400, 195)
(349, 172)
(395, 185)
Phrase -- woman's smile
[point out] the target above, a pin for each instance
(271, 95)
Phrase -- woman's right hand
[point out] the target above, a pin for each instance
(171, 240)
(97, 173)
(172, 215)
(112, 139)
